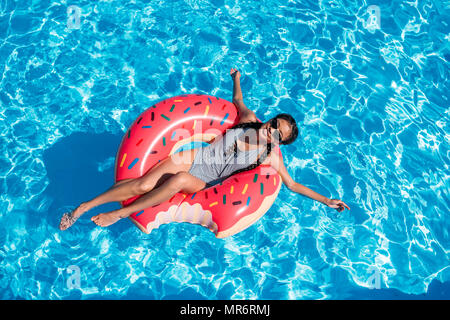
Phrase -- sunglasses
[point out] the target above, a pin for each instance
(274, 124)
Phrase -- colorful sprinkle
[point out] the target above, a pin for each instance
(211, 122)
(133, 163)
(153, 116)
(139, 142)
(223, 107)
(262, 188)
(232, 189)
(235, 203)
(206, 111)
(245, 188)
(215, 190)
(178, 100)
(153, 152)
(139, 120)
(197, 103)
(164, 141)
(224, 199)
(248, 201)
(209, 100)
(187, 109)
(195, 122)
(193, 195)
(274, 181)
(255, 178)
(224, 118)
(213, 204)
(165, 117)
(267, 176)
(146, 127)
(123, 160)
(171, 109)
(129, 131)
(140, 212)
(173, 135)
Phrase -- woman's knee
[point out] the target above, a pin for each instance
(176, 180)
(184, 181)
(142, 186)
(180, 179)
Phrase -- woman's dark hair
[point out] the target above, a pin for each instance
(293, 124)
(257, 126)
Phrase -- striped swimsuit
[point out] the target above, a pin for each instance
(215, 162)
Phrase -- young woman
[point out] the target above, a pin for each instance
(239, 149)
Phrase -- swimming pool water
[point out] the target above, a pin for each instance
(367, 83)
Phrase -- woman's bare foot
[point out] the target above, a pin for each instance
(106, 219)
(69, 218)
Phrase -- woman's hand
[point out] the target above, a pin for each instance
(235, 74)
(337, 204)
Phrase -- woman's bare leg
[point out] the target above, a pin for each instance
(121, 182)
(124, 190)
(182, 181)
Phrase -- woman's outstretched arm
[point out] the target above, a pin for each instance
(277, 162)
(301, 189)
(245, 114)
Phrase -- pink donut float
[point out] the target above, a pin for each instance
(225, 208)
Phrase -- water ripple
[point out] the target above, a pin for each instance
(368, 86)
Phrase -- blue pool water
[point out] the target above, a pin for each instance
(367, 82)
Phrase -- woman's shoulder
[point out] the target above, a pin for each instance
(248, 116)
(234, 131)
(273, 159)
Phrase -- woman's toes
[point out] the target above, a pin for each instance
(66, 221)
(96, 219)
(62, 225)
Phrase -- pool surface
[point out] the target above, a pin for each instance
(367, 82)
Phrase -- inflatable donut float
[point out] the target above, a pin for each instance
(225, 208)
